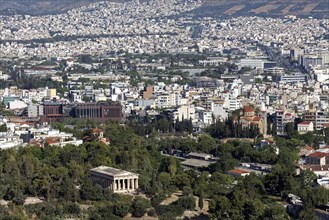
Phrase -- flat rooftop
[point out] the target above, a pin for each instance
(110, 171)
(195, 154)
(196, 163)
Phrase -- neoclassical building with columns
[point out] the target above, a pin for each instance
(119, 181)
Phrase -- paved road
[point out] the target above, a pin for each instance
(280, 60)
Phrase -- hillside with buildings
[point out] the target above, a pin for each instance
(210, 8)
(265, 8)
(165, 109)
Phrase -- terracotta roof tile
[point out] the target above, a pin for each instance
(318, 154)
(237, 171)
(248, 109)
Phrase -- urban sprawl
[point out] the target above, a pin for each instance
(122, 61)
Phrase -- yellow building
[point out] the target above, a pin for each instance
(51, 93)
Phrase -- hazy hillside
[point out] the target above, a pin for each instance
(39, 7)
(273, 8)
(217, 8)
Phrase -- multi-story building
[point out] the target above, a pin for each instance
(51, 93)
(101, 111)
(184, 112)
(311, 60)
(281, 119)
(321, 119)
(318, 118)
(167, 100)
(233, 104)
(53, 109)
(253, 63)
(147, 92)
(292, 78)
(35, 110)
(206, 117)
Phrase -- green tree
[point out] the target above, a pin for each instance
(206, 143)
(121, 209)
(307, 178)
(254, 186)
(280, 179)
(3, 128)
(308, 214)
(187, 202)
(165, 180)
(139, 206)
(201, 197)
(290, 129)
(309, 138)
(275, 212)
(219, 208)
(253, 209)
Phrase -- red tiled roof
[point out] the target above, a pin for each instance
(51, 140)
(237, 171)
(248, 109)
(35, 142)
(309, 148)
(257, 118)
(318, 154)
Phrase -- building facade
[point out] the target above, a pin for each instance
(99, 112)
(35, 110)
(281, 119)
(305, 127)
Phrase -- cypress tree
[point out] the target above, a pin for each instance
(201, 199)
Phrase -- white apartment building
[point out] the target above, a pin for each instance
(253, 63)
(232, 104)
(167, 100)
(206, 117)
(305, 127)
(34, 110)
(185, 112)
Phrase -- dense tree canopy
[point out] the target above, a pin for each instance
(60, 177)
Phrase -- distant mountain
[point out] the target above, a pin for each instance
(43, 7)
(39, 7)
(267, 8)
(210, 8)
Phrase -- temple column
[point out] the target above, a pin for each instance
(115, 185)
(136, 185)
(124, 184)
(128, 184)
(132, 184)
